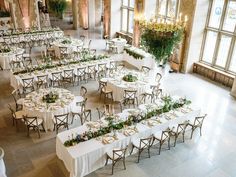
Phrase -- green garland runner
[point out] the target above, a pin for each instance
(49, 66)
(134, 54)
(168, 106)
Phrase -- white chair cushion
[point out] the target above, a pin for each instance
(76, 109)
(110, 154)
(157, 135)
(136, 143)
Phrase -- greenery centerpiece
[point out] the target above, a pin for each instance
(133, 53)
(66, 41)
(130, 78)
(5, 50)
(160, 38)
(50, 97)
(169, 104)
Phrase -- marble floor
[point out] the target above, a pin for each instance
(212, 155)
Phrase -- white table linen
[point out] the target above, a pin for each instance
(33, 105)
(118, 85)
(6, 58)
(119, 43)
(148, 60)
(17, 83)
(89, 156)
(72, 47)
(2, 164)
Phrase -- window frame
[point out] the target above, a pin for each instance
(166, 17)
(220, 31)
(129, 9)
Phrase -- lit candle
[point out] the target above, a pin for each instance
(185, 18)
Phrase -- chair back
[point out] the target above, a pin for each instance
(69, 73)
(28, 83)
(119, 153)
(19, 57)
(92, 69)
(145, 142)
(42, 80)
(199, 120)
(12, 111)
(145, 69)
(130, 94)
(101, 67)
(113, 65)
(92, 51)
(182, 126)
(81, 71)
(165, 134)
(85, 116)
(31, 121)
(56, 76)
(158, 77)
(83, 91)
(62, 119)
(82, 38)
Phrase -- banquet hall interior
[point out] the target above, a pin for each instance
(137, 88)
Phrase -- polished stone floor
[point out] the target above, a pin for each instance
(212, 155)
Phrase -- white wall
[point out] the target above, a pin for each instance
(115, 17)
(196, 35)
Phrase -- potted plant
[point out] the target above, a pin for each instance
(57, 7)
(160, 39)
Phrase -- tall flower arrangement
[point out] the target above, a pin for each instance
(160, 38)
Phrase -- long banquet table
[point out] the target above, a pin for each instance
(89, 156)
(17, 83)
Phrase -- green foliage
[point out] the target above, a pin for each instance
(130, 78)
(4, 13)
(161, 44)
(57, 7)
(169, 105)
(134, 54)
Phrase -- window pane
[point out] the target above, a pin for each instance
(131, 21)
(209, 46)
(230, 17)
(124, 19)
(162, 7)
(172, 8)
(131, 3)
(125, 2)
(216, 13)
(223, 50)
(232, 66)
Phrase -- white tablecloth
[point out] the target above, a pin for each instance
(70, 47)
(6, 58)
(89, 156)
(2, 164)
(148, 61)
(16, 80)
(34, 106)
(119, 43)
(118, 85)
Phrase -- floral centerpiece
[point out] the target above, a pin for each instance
(50, 97)
(160, 38)
(5, 50)
(170, 104)
(66, 41)
(130, 78)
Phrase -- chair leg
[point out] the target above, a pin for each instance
(132, 150)
(149, 152)
(160, 148)
(175, 139)
(201, 131)
(183, 136)
(169, 143)
(106, 160)
(191, 134)
(38, 131)
(139, 153)
(112, 167)
(124, 163)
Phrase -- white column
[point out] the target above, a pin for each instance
(75, 14)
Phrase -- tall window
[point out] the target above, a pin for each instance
(219, 48)
(167, 9)
(127, 12)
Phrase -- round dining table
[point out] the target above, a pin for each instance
(120, 44)
(70, 43)
(35, 105)
(116, 83)
(7, 57)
